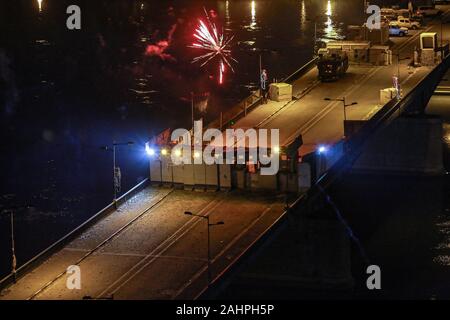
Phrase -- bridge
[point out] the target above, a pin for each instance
(150, 249)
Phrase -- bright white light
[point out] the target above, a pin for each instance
(40, 5)
(322, 149)
(164, 152)
(150, 151)
(276, 149)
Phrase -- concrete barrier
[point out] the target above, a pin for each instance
(259, 182)
(155, 172)
(188, 175)
(167, 172)
(224, 176)
(178, 175)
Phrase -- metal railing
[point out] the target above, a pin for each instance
(46, 253)
(254, 100)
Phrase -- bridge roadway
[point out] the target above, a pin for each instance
(150, 250)
(320, 121)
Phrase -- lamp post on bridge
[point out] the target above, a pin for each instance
(398, 72)
(209, 240)
(315, 47)
(116, 170)
(398, 64)
(13, 246)
(344, 103)
(343, 100)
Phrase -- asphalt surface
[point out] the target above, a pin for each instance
(321, 122)
(161, 254)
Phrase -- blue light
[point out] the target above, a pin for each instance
(322, 149)
(150, 151)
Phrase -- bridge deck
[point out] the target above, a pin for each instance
(161, 253)
(320, 121)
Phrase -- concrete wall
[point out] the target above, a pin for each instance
(155, 171)
(259, 182)
(226, 177)
(407, 145)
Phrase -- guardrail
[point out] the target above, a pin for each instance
(302, 71)
(46, 253)
(254, 100)
(421, 93)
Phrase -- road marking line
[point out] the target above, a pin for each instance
(173, 238)
(89, 253)
(228, 246)
(330, 107)
(141, 255)
(75, 249)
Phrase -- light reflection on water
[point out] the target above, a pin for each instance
(253, 24)
(330, 30)
(227, 14)
(257, 31)
(302, 14)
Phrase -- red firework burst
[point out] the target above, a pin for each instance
(216, 45)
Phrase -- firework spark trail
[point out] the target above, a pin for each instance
(217, 45)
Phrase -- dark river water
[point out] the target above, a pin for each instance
(64, 94)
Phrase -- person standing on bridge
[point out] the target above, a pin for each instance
(264, 85)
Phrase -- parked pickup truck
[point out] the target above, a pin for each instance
(414, 16)
(405, 23)
(395, 30)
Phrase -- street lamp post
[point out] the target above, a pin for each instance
(398, 64)
(442, 38)
(209, 239)
(115, 168)
(315, 48)
(398, 72)
(192, 111)
(344, 103)
(13, 247)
